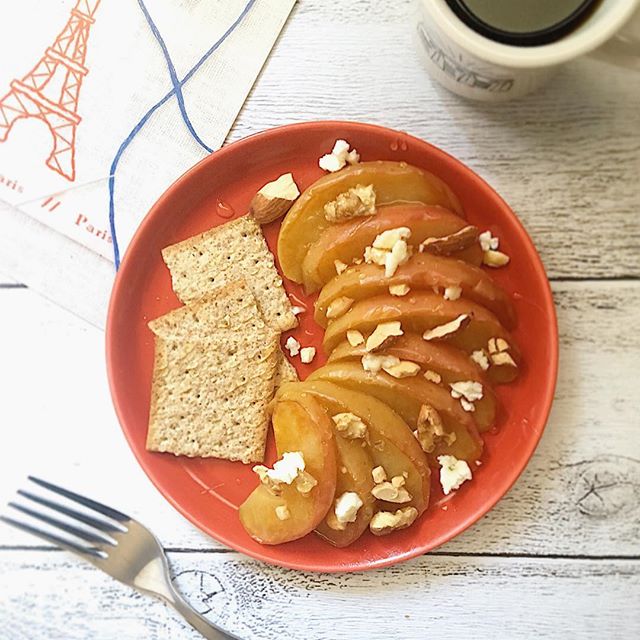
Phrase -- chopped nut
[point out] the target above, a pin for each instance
(340, 266)
(373, 363)
(357, 202)
(282, 512)
(292, 346)
(502, 344)
(307, 354)
(453, 473)
(385, 522)
(447, 329)
(339, 157)
(470, 390)
(452, 293)
(467, 406)
(399, 289)
(493, 347)
(495, 259)
(398, 481)
(274, 199)
(378, 474)
(430, 429)
(503, 358)
(375, 256)
(349, 426)
(432, 376)
(339, 307)
(383, 335)
(389, 493)
(305, 482)
(450, 244)
(354, 337)
(404, 369)
(480, 358)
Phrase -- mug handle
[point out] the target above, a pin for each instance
(623, 49)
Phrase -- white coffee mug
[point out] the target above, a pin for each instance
(476, 67)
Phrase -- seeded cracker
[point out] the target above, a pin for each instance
(224, 254)
(209, 396)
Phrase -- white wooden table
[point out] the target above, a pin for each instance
(558, 557)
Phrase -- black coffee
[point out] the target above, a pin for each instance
(523, 22)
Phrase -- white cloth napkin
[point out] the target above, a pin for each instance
(148, 87)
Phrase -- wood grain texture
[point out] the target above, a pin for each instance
(434, 596)
(580, 494)
(566, 159)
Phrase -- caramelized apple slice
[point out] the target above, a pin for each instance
(406, 396)
(423, 271)
(392, 181)
(420, 311)
(354, 475)
(347, 241)
(299, 424)
(392, 445)
(445, 360)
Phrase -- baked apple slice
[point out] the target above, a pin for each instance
(285, 512)
(462, 323)
(391, 443)
(392, 181)
(354, 476)
(407, 396)
(347, 241)
(423, 271)
(441, 363)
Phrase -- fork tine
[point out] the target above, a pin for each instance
(48, 537)
(107, 527)
(87, 502)
(87, 536)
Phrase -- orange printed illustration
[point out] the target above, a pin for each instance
(51, 90)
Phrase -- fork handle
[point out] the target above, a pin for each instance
(195, 619)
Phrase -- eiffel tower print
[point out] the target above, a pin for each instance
(50, 91)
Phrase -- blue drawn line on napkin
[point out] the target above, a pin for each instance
(174, 77)
(177, 84)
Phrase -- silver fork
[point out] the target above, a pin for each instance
(117, 544)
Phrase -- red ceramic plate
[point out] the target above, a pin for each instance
(208, 492)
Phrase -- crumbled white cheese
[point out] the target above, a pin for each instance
(292, 346)
(347, 506)
(432, 376)
(339, 157)
(284, 471)
(297, 310)
(488, 242)
(453, 473)
(350, 426)
(389, 238)
(452, 293)
(389, 250)
(307, 354)
(480, 358)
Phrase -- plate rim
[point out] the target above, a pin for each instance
(417, 549)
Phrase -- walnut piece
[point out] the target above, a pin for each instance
(452, 243)
(359, 201)
(339, 307)
(383, 335)
(384, 522)
(448, 329)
